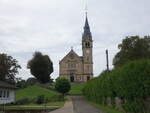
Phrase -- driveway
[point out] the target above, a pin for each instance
(77, 104)
(81, 106)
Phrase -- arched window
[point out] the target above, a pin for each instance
(88, 67)
(71, 65)
(87, 44)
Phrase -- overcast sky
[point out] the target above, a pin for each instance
(53, 26)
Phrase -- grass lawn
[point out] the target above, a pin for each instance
(106, 109)
(48, 106)
(32, 92)
(76, 88)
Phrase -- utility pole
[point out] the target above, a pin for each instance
(107, 60)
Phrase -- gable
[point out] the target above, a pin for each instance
(71, 56)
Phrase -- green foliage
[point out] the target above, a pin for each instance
(21, 84)
(41, 67)
(23, 101)
(31, 81)
(132, 48)
(32, 92)
(76, 89)
(62, 85)
(106, 109)
(130, 82)
(8, 67)
(40, 99)
(134, 107)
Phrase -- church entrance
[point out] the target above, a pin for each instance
(88, 78)
(72, 79)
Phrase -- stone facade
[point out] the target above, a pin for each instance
(79, 68)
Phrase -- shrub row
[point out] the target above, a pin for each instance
(131, 83)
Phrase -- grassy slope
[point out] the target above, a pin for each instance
(32, 92)
(76, 88)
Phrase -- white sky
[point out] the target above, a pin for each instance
(53, 26)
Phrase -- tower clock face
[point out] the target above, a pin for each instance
(87, 51)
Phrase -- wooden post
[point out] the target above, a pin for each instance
(107, 60)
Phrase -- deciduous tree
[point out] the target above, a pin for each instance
(41, 67)
(62, 85)
(8, 67)
(132, 48)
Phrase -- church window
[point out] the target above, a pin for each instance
(87, 44)
(88, 67)
(71, 65)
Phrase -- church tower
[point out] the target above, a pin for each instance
(87, 49)
(79, 68)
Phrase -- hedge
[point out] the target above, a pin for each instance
(131, 83)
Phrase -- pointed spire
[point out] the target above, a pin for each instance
(87, 32)
(71, 48)
(86, 23)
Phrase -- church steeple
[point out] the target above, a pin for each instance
(87, 50)
(87, 32)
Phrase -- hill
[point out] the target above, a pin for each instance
(76, 88)
(32, 92)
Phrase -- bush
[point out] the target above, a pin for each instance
(56, 98)
(130, 82)
(62, 85)
(134, 107)
(40, 99)
(23, 101)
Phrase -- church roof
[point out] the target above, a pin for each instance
(87, 32)
(72, 52)
(6, 85)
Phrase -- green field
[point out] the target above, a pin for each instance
(76, 89)
(32, 92)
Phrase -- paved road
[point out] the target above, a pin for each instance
(81, 106)
(68, 108)
(77, 104)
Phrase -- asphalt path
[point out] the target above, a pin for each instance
(81, 106)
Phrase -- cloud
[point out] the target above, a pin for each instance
(53, 26)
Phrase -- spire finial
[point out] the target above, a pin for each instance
(71, 47)
(86, 8)
(87, 32)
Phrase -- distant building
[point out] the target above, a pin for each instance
(7, 93)
(79, 68)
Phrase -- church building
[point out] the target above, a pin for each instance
(79, 68)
